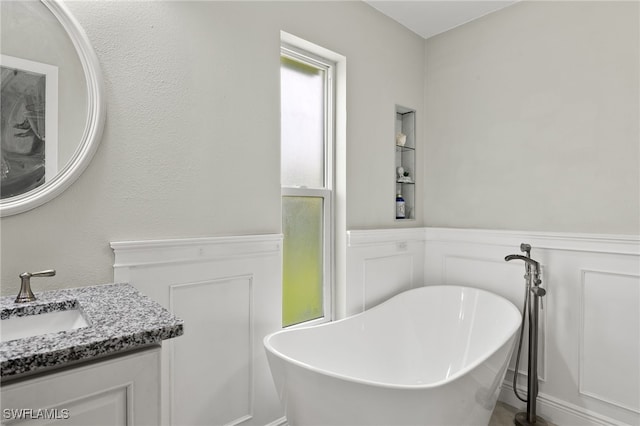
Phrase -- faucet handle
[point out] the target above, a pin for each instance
(47, 273)
(25, 294)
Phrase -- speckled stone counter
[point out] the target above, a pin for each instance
(120, 319)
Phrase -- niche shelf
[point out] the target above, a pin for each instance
(405, 160)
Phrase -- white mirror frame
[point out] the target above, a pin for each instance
(96, 113)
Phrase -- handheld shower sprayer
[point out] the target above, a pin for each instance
(532, 299)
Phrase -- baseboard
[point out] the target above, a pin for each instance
(557, 411)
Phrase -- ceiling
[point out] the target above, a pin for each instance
(430, 17)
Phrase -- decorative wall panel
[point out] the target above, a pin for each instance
(610, 338)
(385, 277)
(380, 264)
(220, 333)
(228, 291)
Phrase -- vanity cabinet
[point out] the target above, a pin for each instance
(405, 163)
(119, 390)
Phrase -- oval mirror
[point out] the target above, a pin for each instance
(53, 108)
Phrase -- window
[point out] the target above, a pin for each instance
(306, 178)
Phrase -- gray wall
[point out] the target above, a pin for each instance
(530, 123)
(191, 144)
(532, 120)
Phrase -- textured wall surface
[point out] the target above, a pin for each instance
(530, 123)
(532, 120)
(191, 142)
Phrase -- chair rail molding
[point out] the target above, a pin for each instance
(364, 237)
(151, 252)
(596, 243)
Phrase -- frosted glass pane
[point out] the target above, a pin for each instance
(302, 259)
(302, 124)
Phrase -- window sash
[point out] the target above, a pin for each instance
(310, 59)
(327, 244)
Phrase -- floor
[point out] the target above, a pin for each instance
(503, 415)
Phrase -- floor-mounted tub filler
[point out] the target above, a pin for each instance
(532, 303)
(434, 355)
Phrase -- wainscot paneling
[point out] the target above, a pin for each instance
(604, 373)
(380, 264)
(228, 291)
(590, 345)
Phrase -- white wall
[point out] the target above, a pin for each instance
(191, 143)
(532, 120)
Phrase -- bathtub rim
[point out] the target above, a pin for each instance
(460, 373)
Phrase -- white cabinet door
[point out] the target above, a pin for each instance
(123, 390)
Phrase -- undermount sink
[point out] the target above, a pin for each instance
(34, 325)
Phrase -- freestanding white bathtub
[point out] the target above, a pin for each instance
(434, 355)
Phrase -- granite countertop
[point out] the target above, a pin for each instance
(120, 318)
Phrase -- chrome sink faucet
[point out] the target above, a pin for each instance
(26, 295)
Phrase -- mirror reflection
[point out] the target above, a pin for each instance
(44, 97)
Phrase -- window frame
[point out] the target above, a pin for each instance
(326, 192)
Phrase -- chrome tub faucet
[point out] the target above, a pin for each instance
(532, 304)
